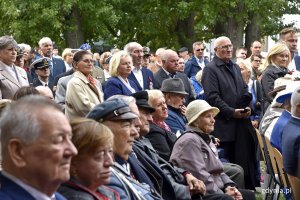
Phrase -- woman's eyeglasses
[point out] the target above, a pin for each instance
(88, 61)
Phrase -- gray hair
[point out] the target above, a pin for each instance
(167, 53)
(219, 40)
(126, 99)
(21, 119)
(129, 47)
(26, 46)
(44, 40)
(6, 41)
(295, 101)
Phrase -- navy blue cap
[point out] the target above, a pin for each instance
(85, 46)
(112, 110)
(41, 63)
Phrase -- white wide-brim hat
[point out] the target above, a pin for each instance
(198, 107)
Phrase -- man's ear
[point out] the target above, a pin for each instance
(15, 150)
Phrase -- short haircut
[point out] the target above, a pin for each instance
(288, 30)
(219, 40)
(104, 56)
(130, 46)
(67, 51)
(25, 91)
(240, 49)
(159, 51)
(197, 44)
(89, 135)
(166, 54)
(253, 56)
(6, 41)
(254, 42)
(152, 95)
(277, 49)
(26, 46)
(79, 55)
(21, 119)
(44, 40)
(115, 62)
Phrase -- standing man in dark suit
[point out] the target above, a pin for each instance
(170, 70)
(290, 38)
(36, 155)
(197, 62)
(57, 65)
(225, 89)
(140, 75)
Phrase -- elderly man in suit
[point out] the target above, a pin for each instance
(36, 155)
(170, 69)
(57, 65)
(140, 75)
(225, 89)
(11, 77)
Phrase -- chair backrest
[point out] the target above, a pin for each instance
(279, 162)
(260, 143)
(269, 148)
(295, 185)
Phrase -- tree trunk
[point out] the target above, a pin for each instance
(185, 31)
(73, 32)
(252, 32)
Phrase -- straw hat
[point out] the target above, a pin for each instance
(198, 107)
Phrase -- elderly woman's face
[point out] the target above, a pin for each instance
(124, 68)
(245, 73)
(281, 59)
(161, 109)
(8, 55)
(85, 65)
(94, 169)
(206, 122)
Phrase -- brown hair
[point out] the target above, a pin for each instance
(89, 135)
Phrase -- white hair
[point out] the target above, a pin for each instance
(219, 40)
(44, 40)
(129, 47)
(26, 46)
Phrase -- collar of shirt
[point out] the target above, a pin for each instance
(32, 191)
(168, 73)
(43, 83)
(11, 70)
(200, 61)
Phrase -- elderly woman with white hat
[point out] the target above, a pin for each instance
(195, 152)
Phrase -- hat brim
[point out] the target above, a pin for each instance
(151, 109)
(273, 93)
(125, 116)
(283, 97)
(214, 109)
(176, 92)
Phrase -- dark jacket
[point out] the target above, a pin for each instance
(161, 75)
(148, 79)
(162, 140)
(267, 81)
(11, 191)
(175, 120)
(297, 62)
(115, 86)
(191, 67)
(75, 191)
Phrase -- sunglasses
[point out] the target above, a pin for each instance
(200, 49)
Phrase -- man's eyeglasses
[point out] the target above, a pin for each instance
(229, 46)
(200, 49)
(88, 61)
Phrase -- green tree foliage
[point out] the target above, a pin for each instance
(170, 23)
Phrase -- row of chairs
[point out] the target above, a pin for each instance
(274, 166)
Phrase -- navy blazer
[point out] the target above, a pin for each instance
(115, 86)
(297, 62)
(148, 79)
(175, 120)
(11, 191)
(191, 67)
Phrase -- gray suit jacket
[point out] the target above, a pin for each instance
(60, 94)
(8, 84)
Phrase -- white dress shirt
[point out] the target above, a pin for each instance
(139, 76)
